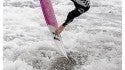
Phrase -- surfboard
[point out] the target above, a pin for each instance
(52, 24)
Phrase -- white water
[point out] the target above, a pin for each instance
(93, 40)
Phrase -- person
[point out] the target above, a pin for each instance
(81, 6)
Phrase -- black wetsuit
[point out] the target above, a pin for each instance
(79, 9)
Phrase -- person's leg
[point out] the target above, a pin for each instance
(70, 17)
(73, 14)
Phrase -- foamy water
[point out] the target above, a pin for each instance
(93, 40)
